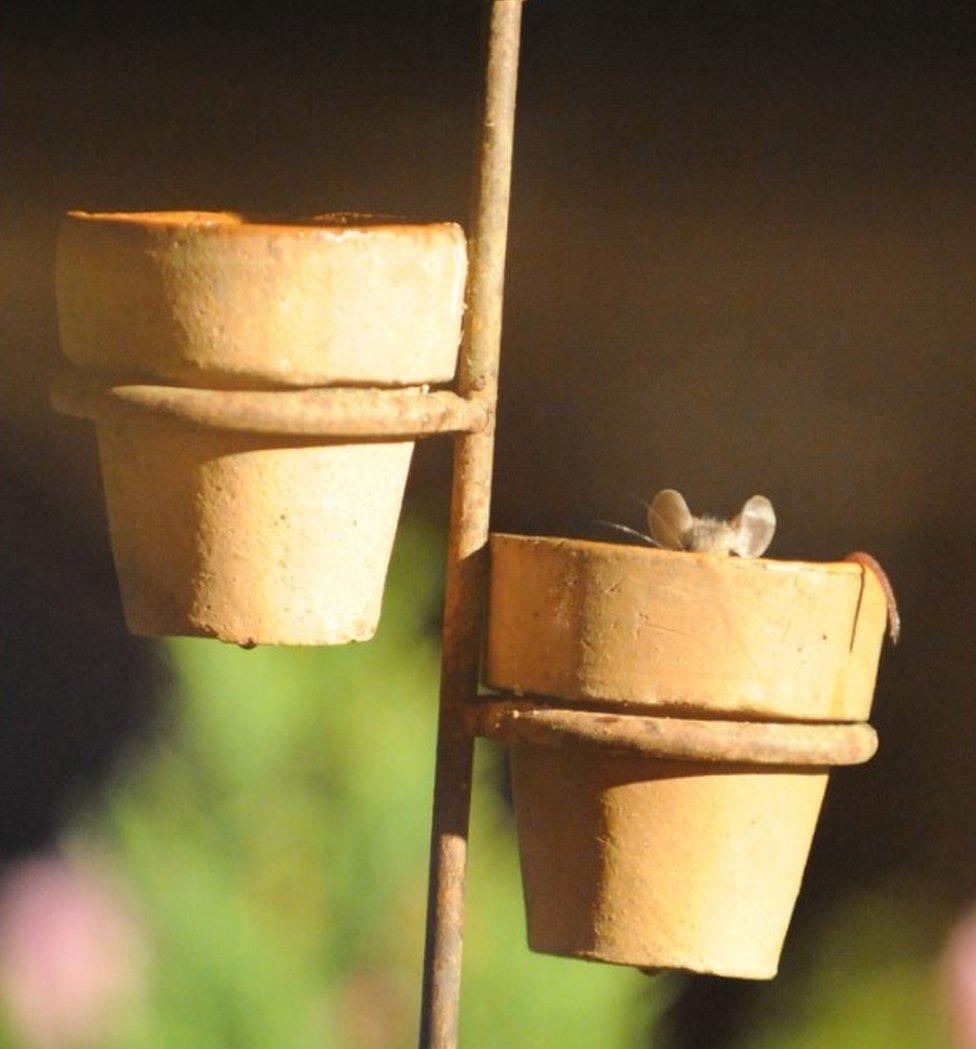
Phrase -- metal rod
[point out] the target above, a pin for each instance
(467, 544)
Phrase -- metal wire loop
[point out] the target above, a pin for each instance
(318, 412)
(522, 722)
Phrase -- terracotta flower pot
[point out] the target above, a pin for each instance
(673, 863)
(249, 537)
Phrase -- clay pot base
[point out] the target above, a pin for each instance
(664, 843)
(660, 864)
(248, 539)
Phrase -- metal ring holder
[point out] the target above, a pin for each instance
(515, 721)
(319, 412)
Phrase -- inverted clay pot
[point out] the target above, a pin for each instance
(662, 863)
(247, 537)
(663, 632)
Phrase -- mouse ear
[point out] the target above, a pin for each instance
(754, 527)
(668, 518)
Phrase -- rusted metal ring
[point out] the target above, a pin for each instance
(516, 722)
(317, 412)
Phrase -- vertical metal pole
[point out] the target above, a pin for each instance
(467, 545)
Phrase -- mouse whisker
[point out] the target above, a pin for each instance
(631, 531)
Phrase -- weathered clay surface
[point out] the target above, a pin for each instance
(661, 864)
(683, 633)
(649, 861)
(212, 299)
(249, 539)
(255, 538)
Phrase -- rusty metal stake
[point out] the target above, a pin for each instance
(467, 550)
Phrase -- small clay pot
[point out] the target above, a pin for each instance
(663, 632)
(672, 864)
(243, 536)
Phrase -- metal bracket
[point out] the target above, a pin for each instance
(319, 412)
(524, 721)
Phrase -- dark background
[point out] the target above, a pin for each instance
(742, 259)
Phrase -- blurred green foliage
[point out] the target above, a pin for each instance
(277, 835)
(866, 979)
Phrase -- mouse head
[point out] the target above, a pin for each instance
(746, 535)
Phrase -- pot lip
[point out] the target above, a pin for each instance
(230, 223)
(648, 555)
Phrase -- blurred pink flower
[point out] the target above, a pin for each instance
(960, 980)
(71, 953)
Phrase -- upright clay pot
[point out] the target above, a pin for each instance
(242, 536)
(657, 863)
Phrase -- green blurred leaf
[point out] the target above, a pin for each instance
(866, 980)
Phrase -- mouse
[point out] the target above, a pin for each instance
(672, 526)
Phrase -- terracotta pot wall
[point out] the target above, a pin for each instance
(662, 632)
(662, 864)
(248, 539)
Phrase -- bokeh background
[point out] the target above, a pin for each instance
(742, 259)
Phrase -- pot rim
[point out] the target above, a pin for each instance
(639, 553)
(229, 223)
